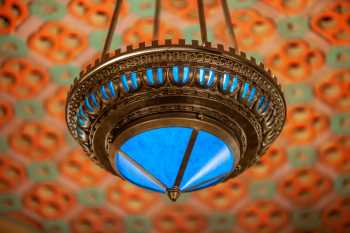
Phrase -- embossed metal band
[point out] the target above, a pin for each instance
(200, 82)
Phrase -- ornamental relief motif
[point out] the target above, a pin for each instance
(230, 123)
(267, 124)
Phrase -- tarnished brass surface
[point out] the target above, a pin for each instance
(213, 108)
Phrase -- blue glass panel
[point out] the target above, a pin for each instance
(252, 94)
(266, 106)
(210, 158)
(211, 78)
(81, 112)
(81, 122)
(176, 74)
(135, 175)
(261, 101)
(88, 105)
(111, 88)
(160, 75)
(82, 117)
(125, 83)
(160, 151)
(201, 76)
(186, 74)
(93, 97)
(149, 76)
(245, 90)
(225, 81)
(207, 183)
(104, 93)
(134, 80)
(234, 83)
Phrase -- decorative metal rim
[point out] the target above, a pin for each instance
(124, 116)
(157, 85)
(266, 124)
(229, 139)
(119, 55)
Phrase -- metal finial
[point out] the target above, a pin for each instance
(173, 193)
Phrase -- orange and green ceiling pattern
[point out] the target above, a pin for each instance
(47, 184)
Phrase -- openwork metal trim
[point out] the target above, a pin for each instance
(206, 83)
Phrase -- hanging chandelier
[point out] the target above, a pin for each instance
(175, 117)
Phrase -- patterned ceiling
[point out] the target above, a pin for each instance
(301, 185)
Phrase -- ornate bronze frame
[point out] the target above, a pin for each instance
(248, 125)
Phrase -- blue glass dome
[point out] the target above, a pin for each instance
(163, 158)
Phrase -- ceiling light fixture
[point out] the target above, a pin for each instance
(175, 117)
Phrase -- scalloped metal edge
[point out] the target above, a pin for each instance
(219, 49)
(181, 43)
(195, 44)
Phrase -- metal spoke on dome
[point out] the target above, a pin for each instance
(175, 117)
(174, 191)
(141, 169)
